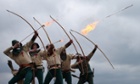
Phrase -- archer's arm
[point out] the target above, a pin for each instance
(65, 46)
(69, 43)
(10, 65)
(28, 44)
(8, 52)
(92, 52)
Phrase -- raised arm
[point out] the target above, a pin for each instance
(92, 52)
(7, 52)
(65, 46)
(28, 44)
(15, 44)
(69, 43)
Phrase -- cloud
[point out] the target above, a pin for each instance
(117, 35)
(5, 77)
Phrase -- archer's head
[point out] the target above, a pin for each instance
(35, 46)
(15, 42)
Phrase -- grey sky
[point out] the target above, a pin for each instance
(117, 35)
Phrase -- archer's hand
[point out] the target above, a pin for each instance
(16, 45)
(96, 46)
(35, 33)
(71, 41)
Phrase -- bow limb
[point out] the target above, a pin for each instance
(65, 32)
(29, 35)
(43, 29)
(95, 44)
(60, 26)
(21, 18)
(78, 43)
(28, 24)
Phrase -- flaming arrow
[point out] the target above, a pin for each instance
(92, 26)
(43, 29)
(30, 34)
(119, 11)
(57, 41)
(28, 24)
(95, 44)
(36, 30)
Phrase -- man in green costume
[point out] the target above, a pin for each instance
(37, 57)
(82, 63)
(66, 69)
(20, 55)
(53, 59)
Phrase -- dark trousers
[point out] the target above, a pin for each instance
(86, 78)
(67, 77)
(24, 73)
(54, 73)
(39, 75)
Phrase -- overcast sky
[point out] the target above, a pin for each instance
(117, 35)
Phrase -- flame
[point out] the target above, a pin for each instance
(89, 28)
(61, 40)
(48, 23)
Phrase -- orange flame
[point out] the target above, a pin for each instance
(48, 23)
(58, 41)
(89, 28)
(61, 40)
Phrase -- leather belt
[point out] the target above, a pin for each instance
(25, 65)
(55, 66)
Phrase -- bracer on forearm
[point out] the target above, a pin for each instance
(68, 44)
(33, 38)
